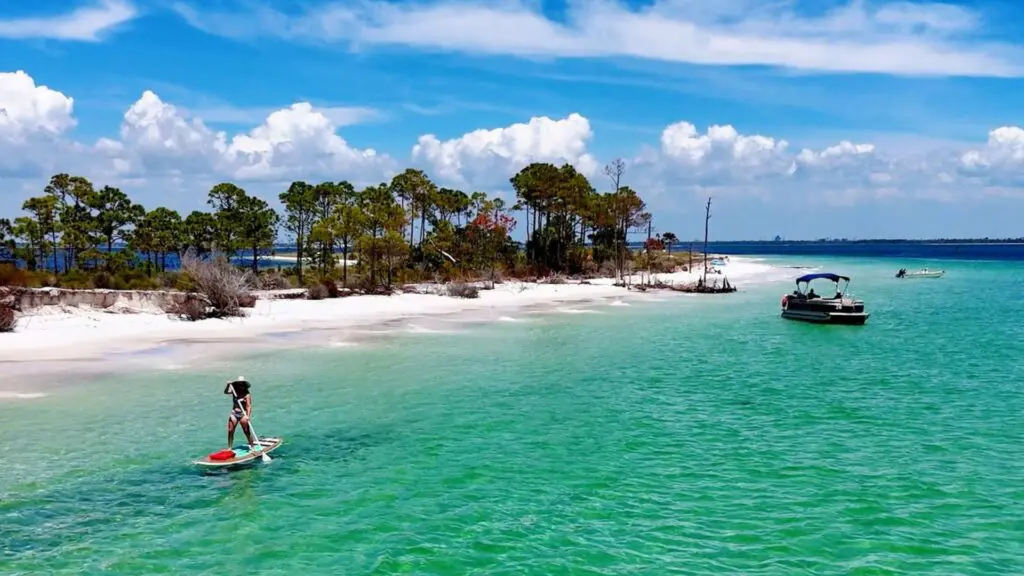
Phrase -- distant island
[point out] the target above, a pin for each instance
(888, 241)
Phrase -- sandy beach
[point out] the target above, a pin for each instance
(58, 334)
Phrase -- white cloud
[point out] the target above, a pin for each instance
(722, 147)
(724, 161)
(888, 37)
(156, 138)
(488, 157)
(27, 110)
(340, 116)
(165, 154)
(1000, 162)
(85, 24)
(33, 119)
(161, 147)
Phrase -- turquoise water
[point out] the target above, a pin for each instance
(689, 436)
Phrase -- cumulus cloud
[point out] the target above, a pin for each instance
(721, 151)
(488, 157)
(159, 141)
(27, 109)
(156, 138)
(163, 150)
(1001, 161)
(722, 160)
(89, 23)
(33, 121)
(892, 37)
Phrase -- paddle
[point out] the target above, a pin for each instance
(264, 456)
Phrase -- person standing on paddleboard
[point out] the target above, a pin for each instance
(241, 409)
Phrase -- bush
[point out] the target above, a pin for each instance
(103, 281)
(75, 280)
(332, 288)
(273, 280)
(191, 309)
(224, 285)
(143, 284)
(607, 269)
(462, 290)
(170, 280)
(12, 276)
(318, 292)
(7, 319)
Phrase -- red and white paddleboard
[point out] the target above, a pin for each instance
(239, 455)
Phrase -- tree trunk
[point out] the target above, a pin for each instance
(53, 238)
(344, 263)
(401, 230)
(255, 259)
(298, 254)
(412, 224)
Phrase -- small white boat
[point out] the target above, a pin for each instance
(922, 273)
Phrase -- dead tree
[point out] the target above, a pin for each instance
(707, 217)
(614, 171)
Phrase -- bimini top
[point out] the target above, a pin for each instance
(825, 275)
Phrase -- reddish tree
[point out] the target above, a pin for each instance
(491, 229)
(653, 244)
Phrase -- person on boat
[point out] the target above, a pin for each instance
(812, 294)
(241, 409)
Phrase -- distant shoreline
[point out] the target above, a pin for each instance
(936, 241)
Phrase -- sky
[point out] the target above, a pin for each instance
(800, 118)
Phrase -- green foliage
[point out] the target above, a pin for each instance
(42, 224)
(114, 213)
(407, 229)
(7, 244)
(199, 233)
(299, 204)
(257, 227)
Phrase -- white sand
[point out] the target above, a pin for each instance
(56, 333)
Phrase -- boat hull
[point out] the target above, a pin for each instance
(923, 275)
(818, 317)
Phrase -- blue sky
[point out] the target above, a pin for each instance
(900, 119)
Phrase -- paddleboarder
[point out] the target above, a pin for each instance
(241, 409)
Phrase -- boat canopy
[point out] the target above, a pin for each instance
(825, 275)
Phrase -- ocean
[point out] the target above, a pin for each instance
(905, 250)
(676, 435)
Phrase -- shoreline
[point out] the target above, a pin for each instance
(58, 339)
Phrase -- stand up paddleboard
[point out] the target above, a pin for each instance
(240, 455)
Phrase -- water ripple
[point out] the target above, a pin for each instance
(669, 439)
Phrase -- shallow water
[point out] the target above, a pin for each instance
(689, 435)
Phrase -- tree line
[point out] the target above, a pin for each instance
(408, 228)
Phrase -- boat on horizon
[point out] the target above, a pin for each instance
(922, 273)
(807, 306)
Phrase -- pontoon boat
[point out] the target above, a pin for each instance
(804, 305)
